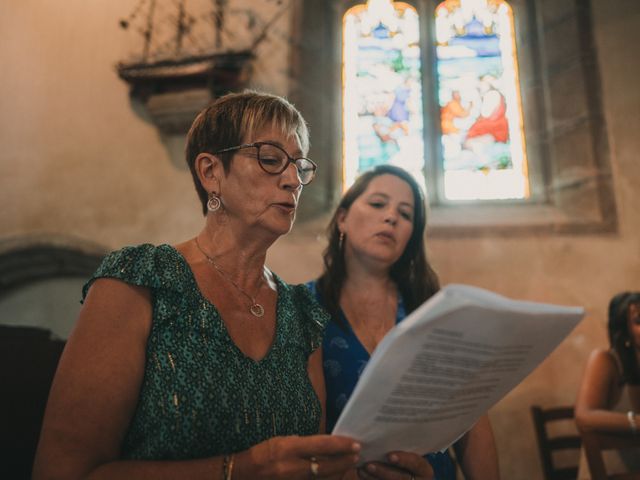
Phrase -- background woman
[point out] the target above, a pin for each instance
(195, 361)
(376, 272)
(609, 396)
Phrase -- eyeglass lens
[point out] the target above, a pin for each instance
(275, 160)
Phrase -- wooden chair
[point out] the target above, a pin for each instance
(595, 443)
(548, 445)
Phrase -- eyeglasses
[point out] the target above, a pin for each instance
(274, 160)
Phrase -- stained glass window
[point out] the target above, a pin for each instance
(480, 108)
(482, 137)
(383, 116)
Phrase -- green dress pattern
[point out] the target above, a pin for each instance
(200, 395)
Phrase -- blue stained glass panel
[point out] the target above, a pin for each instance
(383, 121)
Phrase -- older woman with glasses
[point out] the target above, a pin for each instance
(196, 361)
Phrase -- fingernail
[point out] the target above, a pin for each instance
(355, 447)
(371, 468)
(393, 458)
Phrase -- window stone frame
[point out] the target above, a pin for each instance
(565, 127)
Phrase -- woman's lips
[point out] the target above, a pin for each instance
(285, 207)
(386, 236)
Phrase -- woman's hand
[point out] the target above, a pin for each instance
(400, 466)
(316, 456)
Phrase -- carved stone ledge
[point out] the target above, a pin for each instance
(174, 92)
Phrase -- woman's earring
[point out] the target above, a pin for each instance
(214, 203)
(627, 343)
(340, 240)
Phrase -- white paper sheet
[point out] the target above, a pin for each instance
(445, 365)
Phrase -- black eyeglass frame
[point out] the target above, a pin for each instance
(290, 159)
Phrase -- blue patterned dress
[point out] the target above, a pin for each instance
(200, 395)
(344, 360)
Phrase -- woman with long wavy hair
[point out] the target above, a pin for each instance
(376, 272)
(609, 396)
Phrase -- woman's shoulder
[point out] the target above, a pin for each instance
(304, 299)
(604, 362)
(143, 265)
(601, 356)
(140, 260)
(310, 315)
(604, 356)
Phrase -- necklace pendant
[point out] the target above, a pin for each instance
(257, 310)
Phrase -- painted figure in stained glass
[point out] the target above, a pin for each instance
(383, 93)
(480, 110)
(452, 111)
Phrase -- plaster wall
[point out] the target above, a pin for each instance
(81, 163)
(79, 157)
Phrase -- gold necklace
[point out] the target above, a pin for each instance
(256, 309)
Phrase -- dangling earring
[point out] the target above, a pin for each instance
(340, 240)
(214, 203)
(627, 343)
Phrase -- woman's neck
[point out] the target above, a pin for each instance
(366, 270)
(240, 256)
(367, 280)
(369, 300)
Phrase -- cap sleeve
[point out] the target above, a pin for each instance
(141, 265)
(315, 317)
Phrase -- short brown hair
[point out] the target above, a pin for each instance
(232, 118)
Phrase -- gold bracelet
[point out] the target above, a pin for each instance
(227, 467)
(631, 416)
(230, 471)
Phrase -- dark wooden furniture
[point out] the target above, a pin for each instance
(597, 442)
(28, 361)
(548, 444)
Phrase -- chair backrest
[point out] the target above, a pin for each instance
(28, 361)
(595, 443)
(550, 444)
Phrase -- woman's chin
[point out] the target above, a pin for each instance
(280, 228)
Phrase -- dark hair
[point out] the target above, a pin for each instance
(620, 337)
(413, 275)
(230, 119)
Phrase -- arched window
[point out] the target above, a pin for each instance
(382, 95)
(482, 152)
(482, 133)
(482, 177)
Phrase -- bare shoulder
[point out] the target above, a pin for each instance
(603, 361)
(113, 326)
(117, 303)
(599, 384)
(602, 369)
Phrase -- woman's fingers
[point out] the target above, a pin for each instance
(383, 471)
(324, 445)
(414, 463)
(305, 457)
(327, 455)
(328, 466)
(401, 466)
(328, 445)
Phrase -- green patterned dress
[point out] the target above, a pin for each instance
(201, 396)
